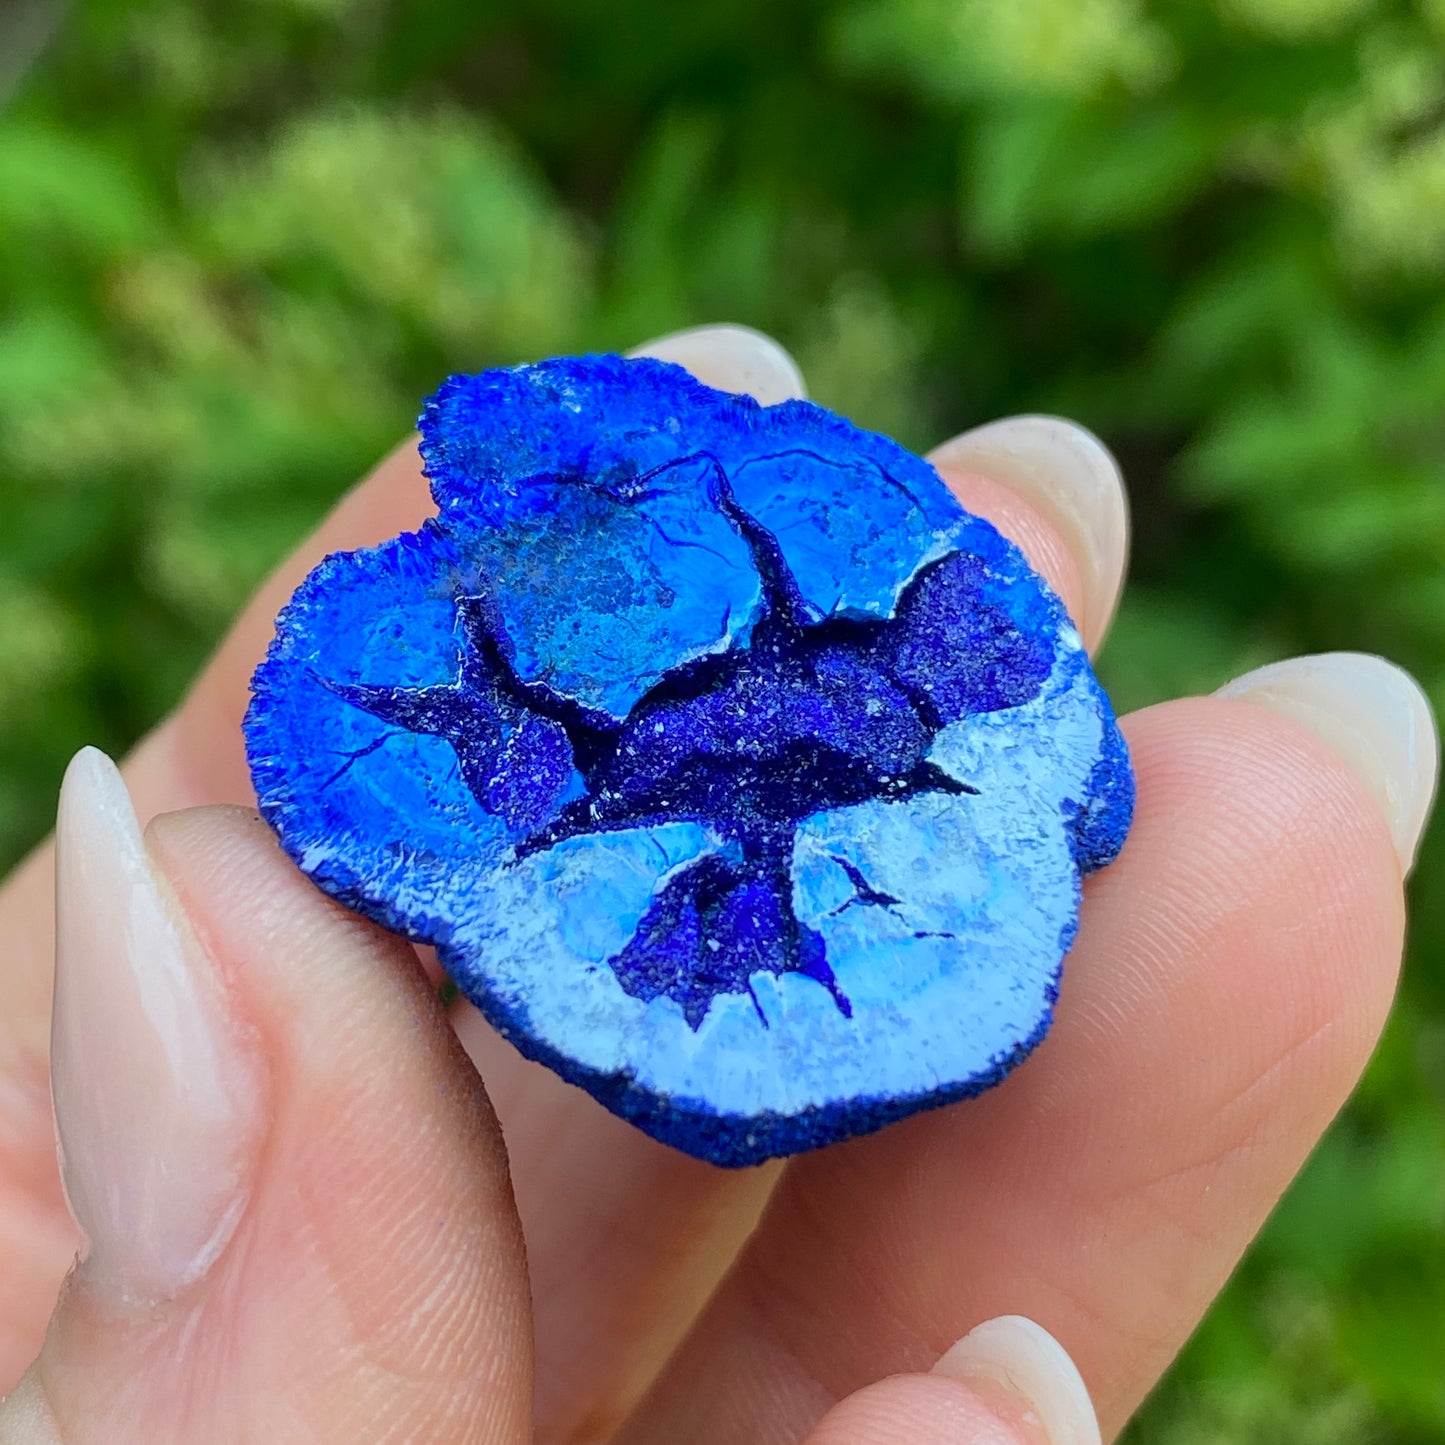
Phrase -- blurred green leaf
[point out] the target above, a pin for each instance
(60, 188)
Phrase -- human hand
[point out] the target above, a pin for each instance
(296, 1193)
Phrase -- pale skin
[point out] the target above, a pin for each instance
(402, 1273)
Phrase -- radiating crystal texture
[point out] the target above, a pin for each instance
(736, 772)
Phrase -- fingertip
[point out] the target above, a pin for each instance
(1246, 820)
(219, 829)
(921, 1410)
(732, 358)
(1374, 715)
(1019, 1368)
(381, 1226)
(229, 870)
(1294, 799)
(158, 1089)
(344, 1005)
(1065, 471)
(1007, 1382)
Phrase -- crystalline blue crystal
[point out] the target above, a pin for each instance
(735, 771)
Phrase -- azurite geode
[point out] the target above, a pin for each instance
(735, 771)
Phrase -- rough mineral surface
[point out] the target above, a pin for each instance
(735, 771)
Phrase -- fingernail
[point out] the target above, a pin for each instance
(1374, 715)
(732, 358)
(157, 1099)
(1024, 1374)
(1072, 477)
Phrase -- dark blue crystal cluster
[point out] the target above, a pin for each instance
(734, 770)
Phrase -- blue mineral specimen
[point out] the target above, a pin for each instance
(736, 772)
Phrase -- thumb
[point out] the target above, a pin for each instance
(1006, 1382)
(299, 1219)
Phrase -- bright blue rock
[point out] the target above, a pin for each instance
(735, 771)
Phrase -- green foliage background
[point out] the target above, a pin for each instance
(239, 242)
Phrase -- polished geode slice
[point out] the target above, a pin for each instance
(736, 772)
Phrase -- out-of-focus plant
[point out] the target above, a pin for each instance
(237, 244)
